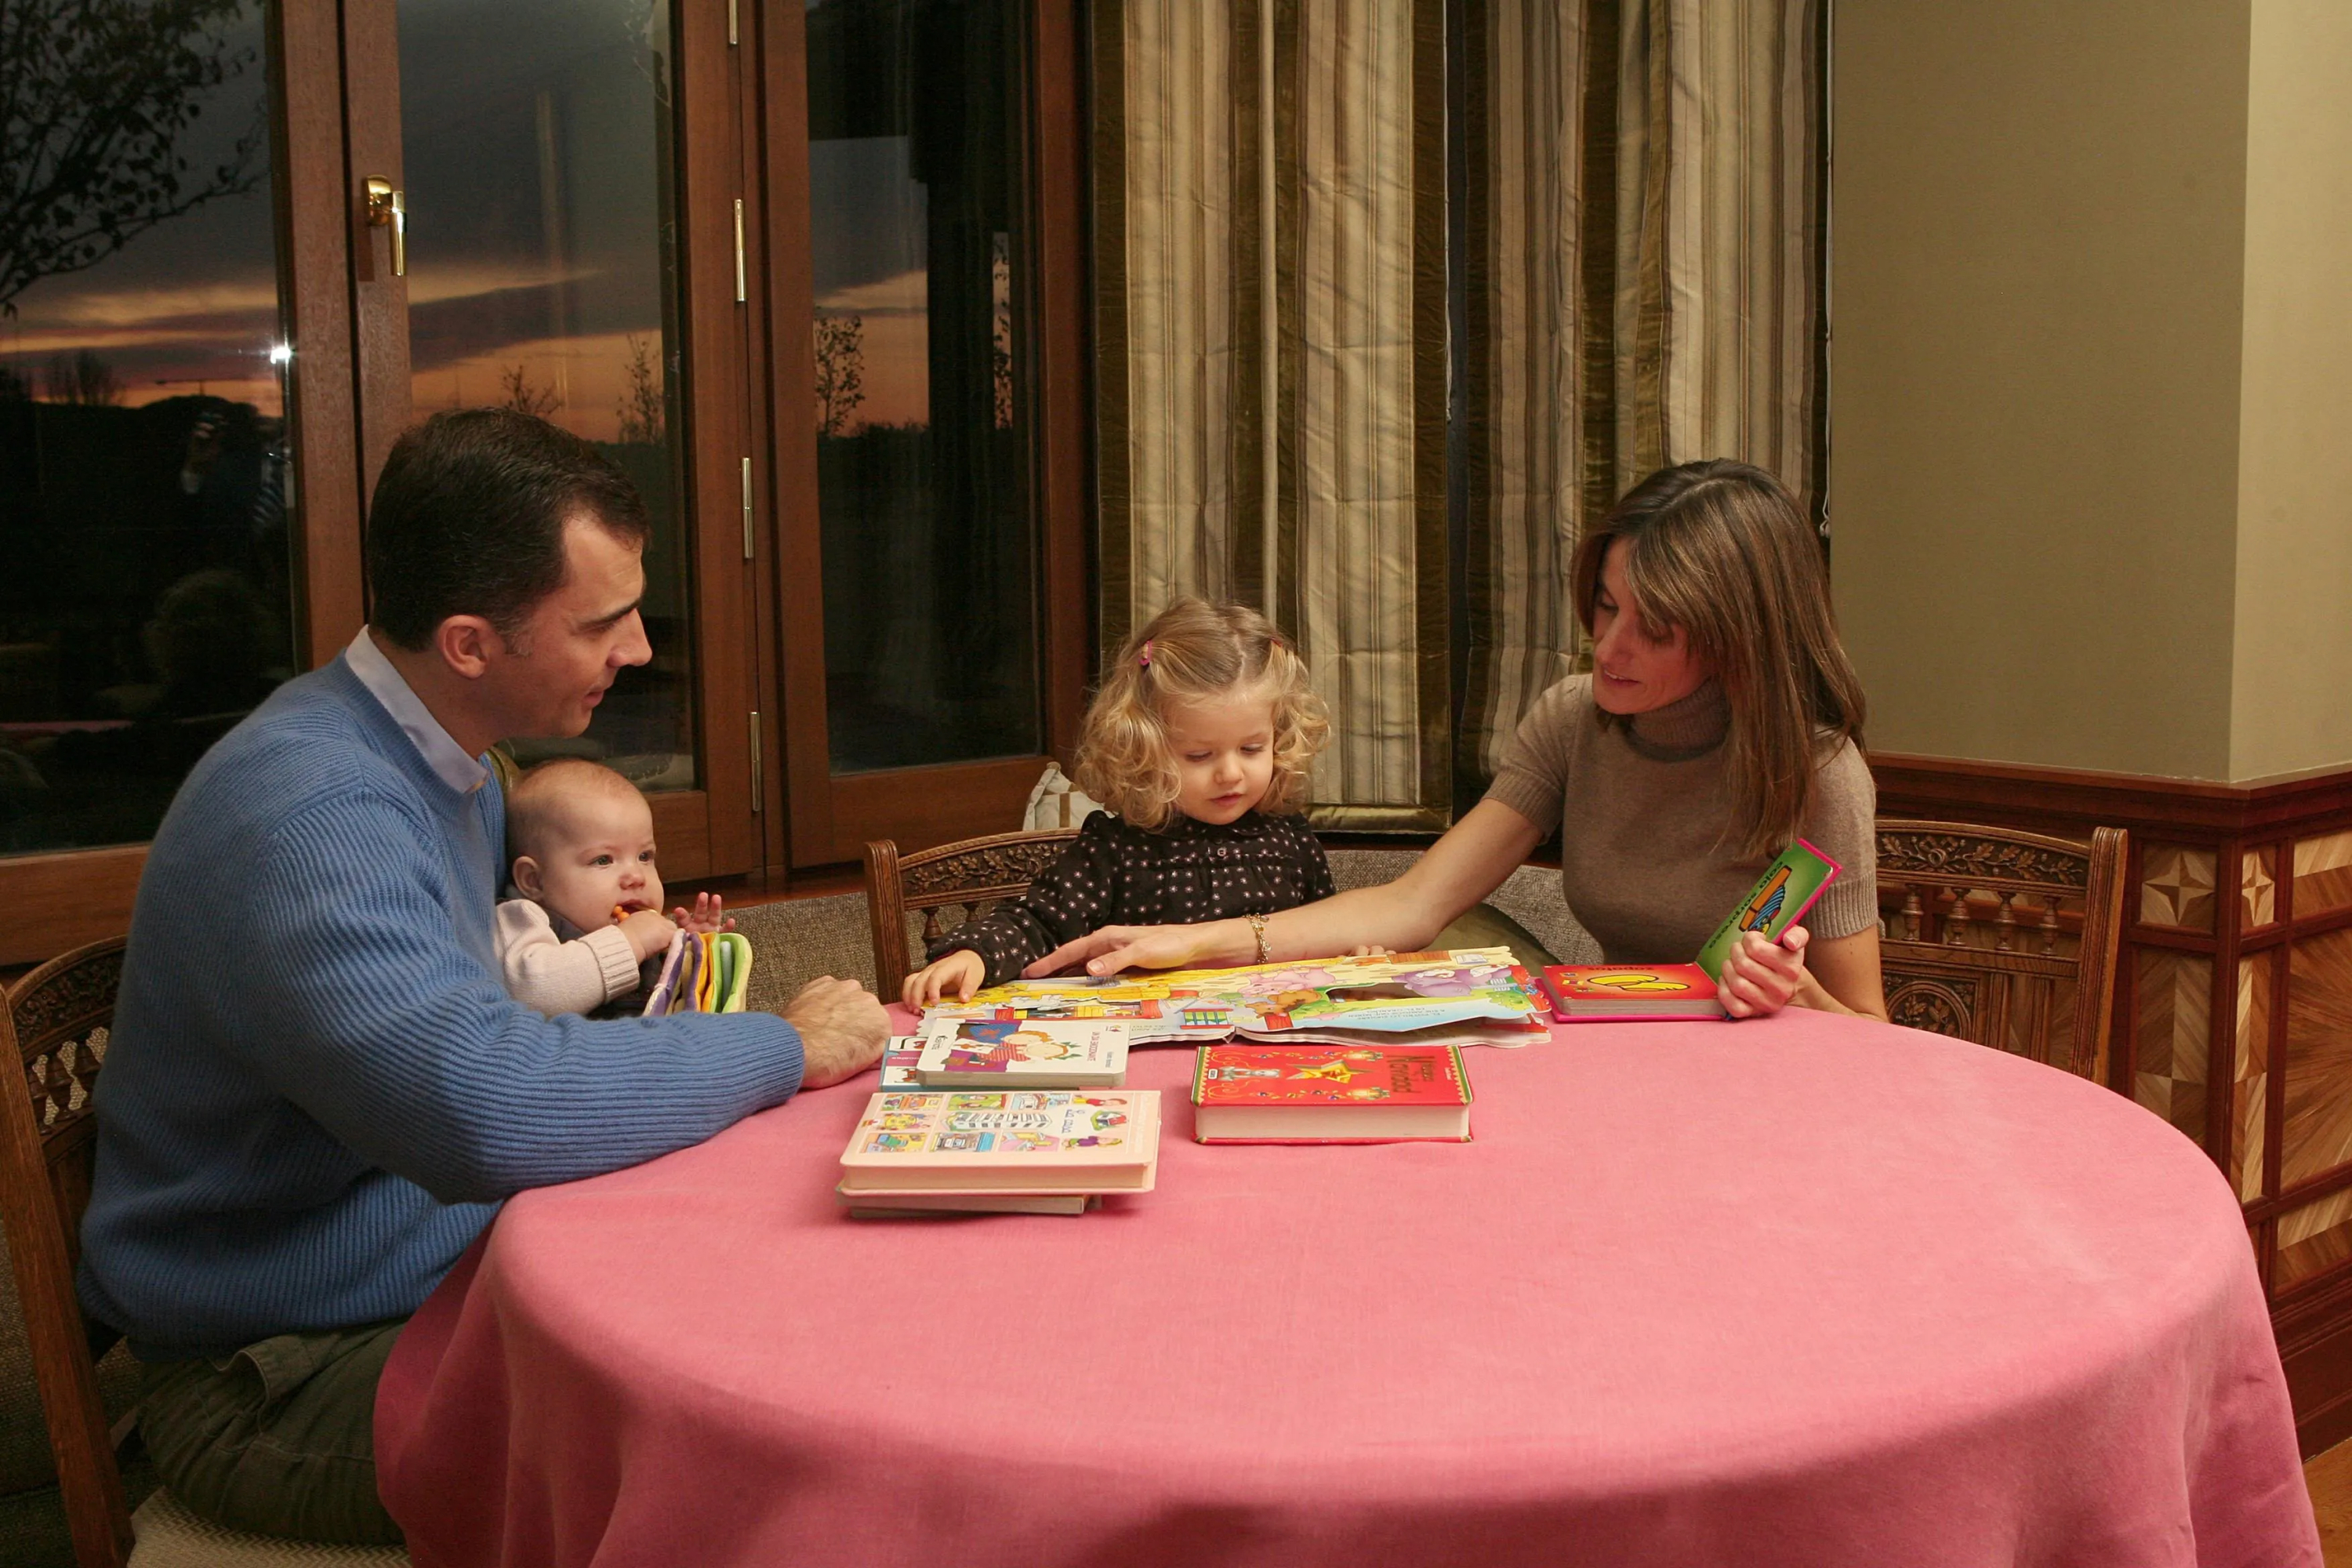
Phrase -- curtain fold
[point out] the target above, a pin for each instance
(1640, 272)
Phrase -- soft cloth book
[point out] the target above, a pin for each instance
(1019, 1140)
(1295, 1094)
(1024, 1053)
(1602, 993)
(1777, 901)
(707, 971)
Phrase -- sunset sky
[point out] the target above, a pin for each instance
(533, 199)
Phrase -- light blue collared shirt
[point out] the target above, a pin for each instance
(445, 756)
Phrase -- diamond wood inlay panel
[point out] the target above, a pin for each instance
(2314, 1238)
(2172, 992)
(2323, 874)
(2317, 1135)
(2175, 886)
(2258, 885)
(2250, 1086)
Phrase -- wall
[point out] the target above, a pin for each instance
(2290, 705)
(2036, 249)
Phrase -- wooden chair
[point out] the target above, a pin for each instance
(972, 874)
(55, 1027)
(2004, 938)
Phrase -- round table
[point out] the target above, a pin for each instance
(1804, 1290)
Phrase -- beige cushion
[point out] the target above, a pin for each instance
(168, 1536)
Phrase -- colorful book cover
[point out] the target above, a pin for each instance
(1777, 901)
(665, 992)
(1398, 992)
(1012, 1140)
(1298, 1093)
(1026, 1052)
(899, 1059)
(1586, 993)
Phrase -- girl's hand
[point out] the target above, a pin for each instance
(709, 914)
(648, 932)
(1113, 948)
(1370, 951)
(1761, 976)
(959, 972)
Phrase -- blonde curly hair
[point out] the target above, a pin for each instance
(1190, 651)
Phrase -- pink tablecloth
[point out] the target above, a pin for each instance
(1805, 1291)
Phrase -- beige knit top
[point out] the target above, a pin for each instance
(1644, 815)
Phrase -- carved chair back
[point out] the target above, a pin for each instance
(2004, 938)
(55, 1029)
(971, 875)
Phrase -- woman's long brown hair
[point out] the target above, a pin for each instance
(1721, 550)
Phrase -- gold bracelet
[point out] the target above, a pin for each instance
(1257, 930)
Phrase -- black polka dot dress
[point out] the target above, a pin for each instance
(1115, 873)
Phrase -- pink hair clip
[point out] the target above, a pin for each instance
(1144, 659)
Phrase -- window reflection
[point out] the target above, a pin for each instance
(921, 409)
(537, 151)
(143, 493)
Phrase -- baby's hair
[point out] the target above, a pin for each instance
(537, 806)
(1191, 650)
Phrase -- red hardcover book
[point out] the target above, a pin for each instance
(1623, 993)
(1330, 1094)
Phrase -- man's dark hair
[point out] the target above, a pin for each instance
(468, 520)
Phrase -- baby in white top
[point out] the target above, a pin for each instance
(590, 911)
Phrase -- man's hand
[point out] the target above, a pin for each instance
(1114, 948)
(1761, 976)
(960, 974)
(843, 1030)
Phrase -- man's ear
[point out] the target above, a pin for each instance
(467, 645)
(528, 880)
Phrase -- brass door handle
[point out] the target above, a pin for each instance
(388, 208)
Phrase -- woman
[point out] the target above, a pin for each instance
(1721, 720)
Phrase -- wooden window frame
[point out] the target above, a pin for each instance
(823, 819)
(335, 104)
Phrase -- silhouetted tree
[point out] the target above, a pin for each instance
(840, 371)
(641, 409)
(524, 398)
(95, 96)
(81, 377)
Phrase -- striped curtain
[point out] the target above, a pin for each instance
(1637, 257)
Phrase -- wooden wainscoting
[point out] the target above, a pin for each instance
(2233, 1005)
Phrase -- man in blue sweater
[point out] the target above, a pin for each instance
(318, 1089)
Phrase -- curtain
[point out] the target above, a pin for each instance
(1637, 260)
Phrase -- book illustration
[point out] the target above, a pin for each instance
(1038, 1122)
(1292, 1075)
(1399, 993)
(1056, 1053)
(899, 1059)
(1289, 1094)
(1781, 896)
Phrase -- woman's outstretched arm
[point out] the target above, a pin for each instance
(1468, 863)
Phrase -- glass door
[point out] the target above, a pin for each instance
(519, 186)
(928, 670)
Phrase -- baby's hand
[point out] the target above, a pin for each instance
(709, 914)
(648, 932)
(959, 972)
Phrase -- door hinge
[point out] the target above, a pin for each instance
(747, 509)
(730, 21)
(742, 294)
(758, 777)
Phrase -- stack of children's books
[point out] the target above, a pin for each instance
(1013, 1100)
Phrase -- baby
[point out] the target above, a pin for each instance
(590, 911)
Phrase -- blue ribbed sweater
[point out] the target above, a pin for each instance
(317, 1089)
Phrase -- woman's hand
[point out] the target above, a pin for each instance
(1761, 976)
(1114, 948)
(959, 972)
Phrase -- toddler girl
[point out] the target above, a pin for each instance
(590, 913)
(1198, 746)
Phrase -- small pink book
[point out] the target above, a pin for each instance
(1013, 1140)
